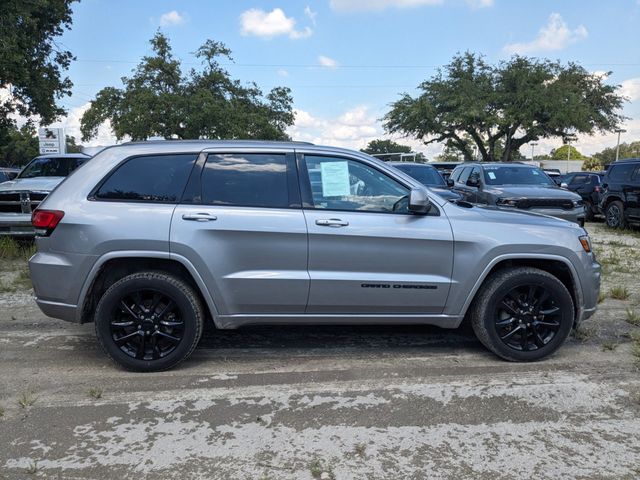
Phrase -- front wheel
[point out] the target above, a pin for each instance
(614, 214)
(149, 321)
(523, 314)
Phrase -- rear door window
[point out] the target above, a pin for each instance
(246, 180)
(154, 178)
(621, 172)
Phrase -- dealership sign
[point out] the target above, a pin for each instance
(52, 140)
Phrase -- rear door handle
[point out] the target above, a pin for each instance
(332, 222)
(199, 217)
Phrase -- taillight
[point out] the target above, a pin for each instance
(45, 221)
(596, 189)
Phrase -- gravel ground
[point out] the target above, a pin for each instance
(325, 402)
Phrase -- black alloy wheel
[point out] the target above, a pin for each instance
(147, 325)
(527, 318)
(149, 321)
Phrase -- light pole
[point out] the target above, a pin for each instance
(618, 131)
(533, 145)
(568, 139)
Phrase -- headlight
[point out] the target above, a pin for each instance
(577, 203)
(507, 202)
(585, 241)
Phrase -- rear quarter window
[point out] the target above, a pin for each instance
(155, 178)
(621, 172)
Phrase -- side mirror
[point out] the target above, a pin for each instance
(564, 185)
(450, 183)
(473, 182)
(419, 201)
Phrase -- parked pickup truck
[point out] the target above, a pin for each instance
(20, 196)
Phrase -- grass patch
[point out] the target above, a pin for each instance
(619, 292)
(609, 346)
(26, 400)
(1, 412)
(602, 296)
(360, 449)
(95, 392)
(635, 350)
(11, 249)
(319, 470)
(583, 334)
(32, 468)
(633, 317)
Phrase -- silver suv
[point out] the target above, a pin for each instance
(150, 240)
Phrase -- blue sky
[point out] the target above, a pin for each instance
(347, 60)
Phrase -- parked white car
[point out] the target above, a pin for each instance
(20, 196)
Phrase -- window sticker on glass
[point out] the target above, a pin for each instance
(335, 179)
(492, 175)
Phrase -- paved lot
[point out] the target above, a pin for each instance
(330, 402)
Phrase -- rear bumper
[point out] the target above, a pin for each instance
(63, 311)
(16, 225)
(57, 279)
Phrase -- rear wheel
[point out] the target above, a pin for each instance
(523, 314)
(614, 214)
(149, 321)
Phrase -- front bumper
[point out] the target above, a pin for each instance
(575, 215)
(16, 225)
(590, 278)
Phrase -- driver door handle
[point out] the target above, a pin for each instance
(199, 217)
(332, 222)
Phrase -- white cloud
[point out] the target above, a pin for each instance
(631, 89)
(271, 24)
(71, 125)
(283, 73)
(172, 18)
(354, 128)
(327, 62)
(377, 5)
(310, 14)
(555, 35)
(475, 4)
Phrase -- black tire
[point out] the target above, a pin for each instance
(499, 299)
(614, 214)
(149, 321)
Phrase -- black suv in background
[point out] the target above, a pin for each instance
(516, 186)
(620, 196)
(587, 185)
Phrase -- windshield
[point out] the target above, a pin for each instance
(425, 175)
(519, 175)
(51, 167)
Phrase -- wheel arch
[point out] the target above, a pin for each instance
(113, 266)
(559, 267)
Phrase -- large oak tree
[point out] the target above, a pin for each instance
(32, 63)
(159, 100)
(499, 108)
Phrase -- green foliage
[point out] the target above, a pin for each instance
(509, 104)
(72, 146)
(31, 61)
(158, 100)
(562, 152)
(385, 146)
(627, 150)
(18, 146)
(379, 147)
